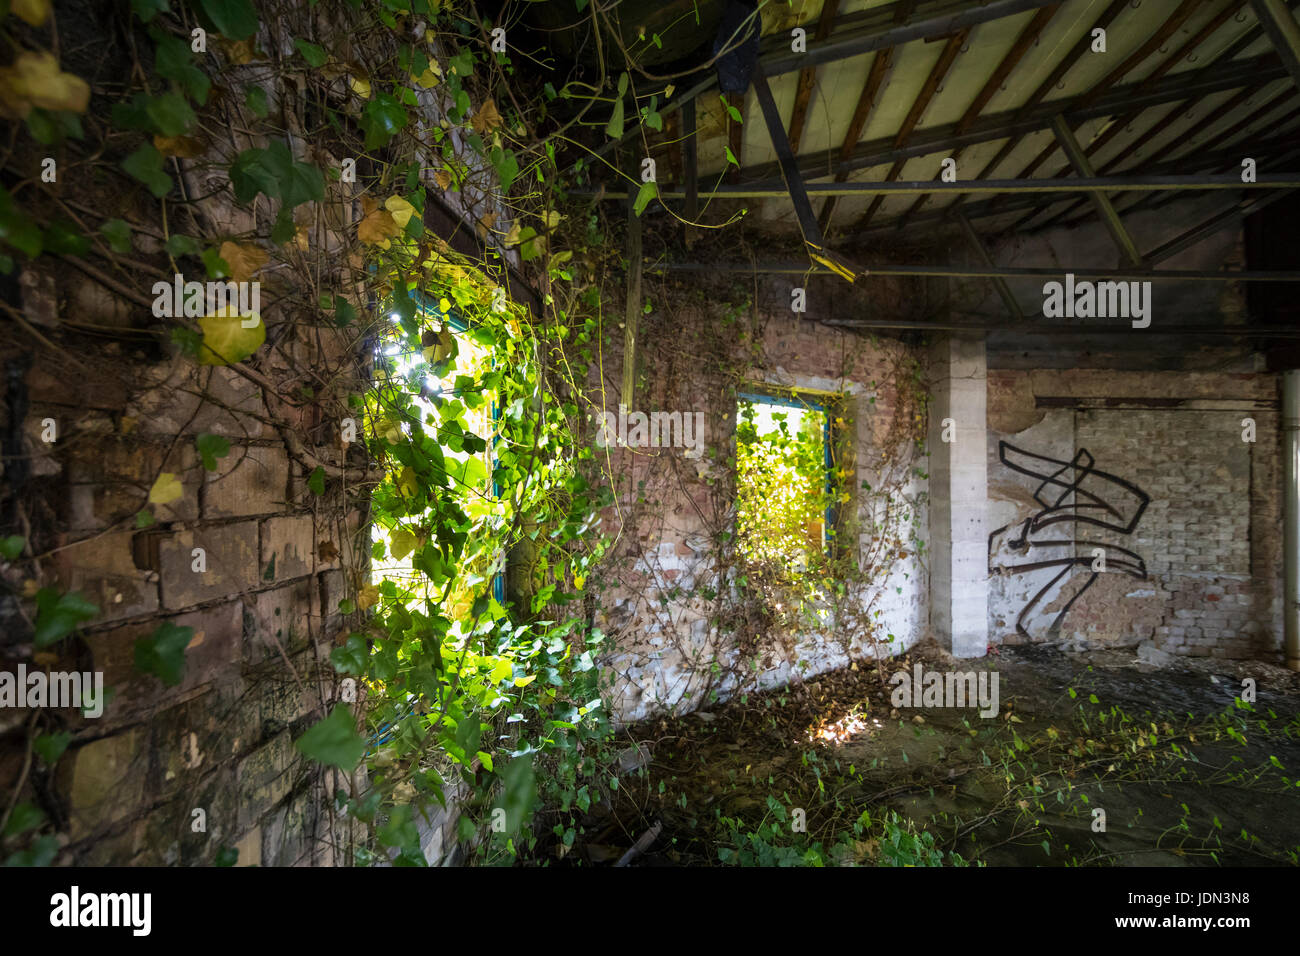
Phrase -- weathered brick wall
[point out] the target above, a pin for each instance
(665, 594)
(263, 613)
(1210, 537)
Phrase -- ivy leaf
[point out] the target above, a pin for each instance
(25, 816)
(334, 741)
(60, 237)
(274, 171)
(211, 447)
(403, 543)
(17, 229)
(314, 55)
(226, 340)
(614, 128)
(146, 10)
(316, 481)
(146, 165)
(118, 234)
(517, 792)
(647, 192)
(255, 100)
(171, 114)
(235, 19)
(58, 615)
(12, 546)
(174, 60)
(351, 657)
(182, 246)
(382, 119)
(166, 489)
(162, 653)
(50, 747)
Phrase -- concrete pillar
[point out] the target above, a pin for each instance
(959, 586)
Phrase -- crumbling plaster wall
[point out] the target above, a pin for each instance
(662, 605)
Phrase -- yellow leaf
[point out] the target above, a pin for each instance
(244, 259)
(444, 305)
(367, 597)
(525, 681)
(166, 489)
(485, 222)
(33, 12)
(226, 338)
(186, 147)
(401, 209)
(360, 86)
(512, 237)
(35, 80)
(240, 52)
(407, 486)
(401, 543)
(552, 219)
(443, 178)
(432, 76)
(487, 117)
(377, 225)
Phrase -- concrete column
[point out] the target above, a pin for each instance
(959, 586)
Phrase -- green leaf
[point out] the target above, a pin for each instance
(255, 100)
(211, 447)
(174, 60)
(334, 741)
(118, 234)
(316, 481)
(182, 246)
(40, 853)
(61, 238)
(50, 747)
(518, 791)
(25, 816)
(274, 171)
(58, 615)
(314, 55)
(53, 126)
(146, 10)
(235, 19)
(614, 128)
(162, 653)
(506, 166)
(382, 119)
(12, 546)
(647, 192)
(146, 165)
(226, 856)
(170, 114)
(144, 518)
(17, 229)
(351, 657)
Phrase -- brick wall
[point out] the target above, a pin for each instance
(177, 774)
(665, 592)
(1210, 536)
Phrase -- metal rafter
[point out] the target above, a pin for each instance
(1024, 42)
(808, 76)
(951, 50)
(1283, 30)
(1019, 121)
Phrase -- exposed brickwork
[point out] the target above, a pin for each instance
(1210, 537)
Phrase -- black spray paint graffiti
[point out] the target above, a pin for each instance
(1072, 491)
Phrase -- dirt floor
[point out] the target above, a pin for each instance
(1183, 773)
